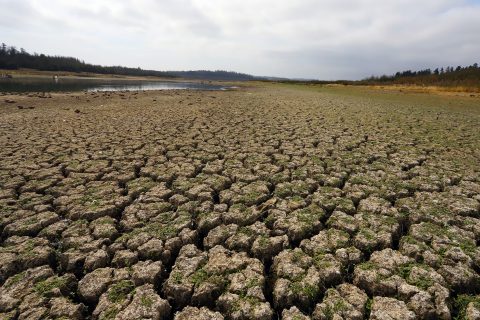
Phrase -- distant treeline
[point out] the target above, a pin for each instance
(213, 75)
(444, 77)
(11, 58)
(311, 82)
(460, 76)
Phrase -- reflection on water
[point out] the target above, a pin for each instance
(68, 84)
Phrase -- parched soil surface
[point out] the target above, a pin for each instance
(269, 202)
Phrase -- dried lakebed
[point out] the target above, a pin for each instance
(272, 202)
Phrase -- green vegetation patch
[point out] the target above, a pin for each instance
(461, 303)
(14, 279)
(141, 184)
(337, 307)
(146, 301)
(110, 313)
(422, 282)
(119, 291)
(177, 277)
(46, 287)
(309, 215)
(367, 266)
(199, 277)
(305, 289)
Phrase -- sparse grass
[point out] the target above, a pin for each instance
(321, 262)
(120, 290)
(367, 233)
(367, 266)
(297, 255)
(263, 241)
(177, 277)
(270, 219)
(110, 313)
(405, 270)
(14, 279)
(140, 185)
(246, 231)
(158, 230)
(305, 289)
(146, 301)
(461, 303)
(46, 287)
(337, 307)
(308, 216)
(368, 308)
(199, 277)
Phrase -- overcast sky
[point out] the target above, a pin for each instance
(322, 39)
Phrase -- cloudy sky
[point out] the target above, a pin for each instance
(322, 39)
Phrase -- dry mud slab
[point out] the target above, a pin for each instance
(268, 202)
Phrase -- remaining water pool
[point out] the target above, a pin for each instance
(68, 84)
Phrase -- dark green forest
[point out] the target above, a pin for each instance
(11, 59)
(468, 76)
(213, 75)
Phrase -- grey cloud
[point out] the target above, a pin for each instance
(326, 39)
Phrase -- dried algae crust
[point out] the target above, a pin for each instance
(267, 202)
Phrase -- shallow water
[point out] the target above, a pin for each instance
(68, 84)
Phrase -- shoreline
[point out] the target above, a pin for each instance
(39, 74)
(458, 91)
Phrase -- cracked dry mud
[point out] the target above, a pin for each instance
(268, 202)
